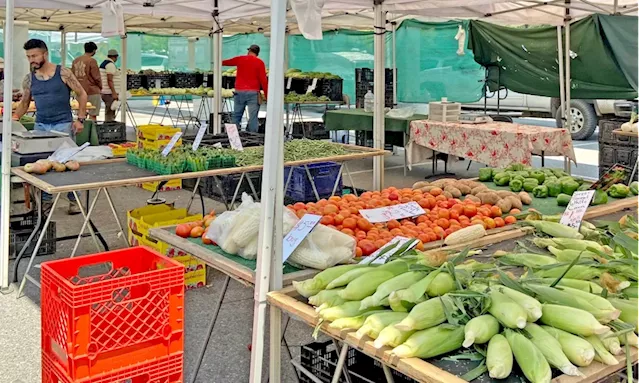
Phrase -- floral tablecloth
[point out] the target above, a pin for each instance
(497, 144)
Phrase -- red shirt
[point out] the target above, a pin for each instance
(251, 75)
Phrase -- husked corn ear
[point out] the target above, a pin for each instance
(551, 348)
(468, 234)
(374, 324)
(499, 357)
(326, 296)
(431, 342)
(426, 314)
(349, 276)
(441, 284)
(404, 300)
(611, 342)
(506, 310)
(530, 304)
(562, 296)
(531, 361)
(571, 319)
(480, 329)
(392, 336)
(322, 279)
(352, 322)
(577, 349)
(579, 284)
(602, 354)
(345, 310)
(401, 281)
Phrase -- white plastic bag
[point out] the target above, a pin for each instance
(404, 112)
(324, 247)
(113, 19)
(227, 229)
(309, 16)
(460, 37)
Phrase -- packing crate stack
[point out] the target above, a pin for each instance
(615, 148)
(157, 137)
(113, 317)
(140, 220)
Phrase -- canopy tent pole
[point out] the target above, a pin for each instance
(561, 77)
(5, 205)
(567, 66)
(191, 53)
(378, 92)
(122, 96)
(394, 26)
(269, 265)
(217, 69)
(63, 47)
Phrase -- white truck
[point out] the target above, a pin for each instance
(585, 114)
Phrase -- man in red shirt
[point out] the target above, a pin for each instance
(251, 77)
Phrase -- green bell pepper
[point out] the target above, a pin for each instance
(599, 198)
(619, 191)
(559, 172)
(540, 191)
(529, 184)
(501, 179)
(516, 167)
(549, 179)
(518, 177)
(634, 187)
(495, 171)
(516, 185)
(485, 174)
(563, 199)
(522, 173)
(537, 175)
(554, 188)
(569, 186)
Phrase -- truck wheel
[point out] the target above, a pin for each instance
(583, 120)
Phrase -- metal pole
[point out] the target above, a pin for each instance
(379, 93)
(269, 266)
(5, 209)
(561, 77)
(217, 72)
(122, 96)
(63, 48)
(394, 26)
(567, 62)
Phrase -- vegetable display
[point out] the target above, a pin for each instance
(200, 91)
(425, 305)
(297, 73)
(293, 97)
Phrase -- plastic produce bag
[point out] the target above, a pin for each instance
(324, 247)
(405, 112)
(113, 19)
(235, 230)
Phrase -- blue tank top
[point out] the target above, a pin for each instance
(52, 99)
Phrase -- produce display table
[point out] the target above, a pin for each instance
(232, 266)
(102, 175)
(497, 144)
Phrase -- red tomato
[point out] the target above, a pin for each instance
(299, 206)
(470, 210)
(338, 219)
(350, 223)
(495, 211)
(183, 230)
(327, 220)
(499, 221)
(358, 252)
(363, 224)
(510, 220)
(367, 246)
(393, 224)
(197, 232)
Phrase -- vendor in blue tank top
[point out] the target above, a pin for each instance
(50, 86)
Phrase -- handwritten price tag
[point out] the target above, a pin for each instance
(289, 82)
(174, 140)
(386, 214)
(578, 205)
(299, 232)
(398, 246)
(201, 131)
(313, 85)
(234, 137)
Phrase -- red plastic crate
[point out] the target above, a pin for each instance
(111, 310)
(161, 370)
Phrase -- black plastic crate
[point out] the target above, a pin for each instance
(136, 81)
(229, 183)
(364, 83)
(228, 82)
(19, 238)
(188, 80)
(311, 130)
(298, 85)
(163, 80)
(606, 135)
(111, 132)
(330, 88)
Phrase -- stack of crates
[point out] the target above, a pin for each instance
(364, 83)
(113, 317)
(140, 220)
(615, 148)
(157, 137)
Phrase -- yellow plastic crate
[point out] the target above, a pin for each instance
(156, 132)
(135, 239)
(169, 218)
(195, 279)
(120, 150)
(155, 144)
(134, 216)
(169, 186)
(195, 271)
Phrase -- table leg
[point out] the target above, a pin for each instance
(306, 372)
(203, 349)
(235, 193)
(286, 184)
(253, 189)
(85, 223)
(404, 147)
(222, 193)
(37, 247)
(16, 263)
(313, 184)
(115, 216)
(193, 195)
(93, 234)
(338, 178)
(286, 344)
(340, 365)
(353, 185)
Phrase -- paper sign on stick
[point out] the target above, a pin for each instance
(578, 205)
(234, 137)
(386, 214)
(201, 131)
(397, 246)
(299, 232)
(171, 144)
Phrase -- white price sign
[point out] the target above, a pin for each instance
(289, 82)
(299, 232)
(386, 214)
(578, 205)
(234, 137)
(158, 83)
(398, 245)
(201, 131)
(174, 140)
(313, 85)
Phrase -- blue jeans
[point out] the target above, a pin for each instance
(65, 127)
(248, 99)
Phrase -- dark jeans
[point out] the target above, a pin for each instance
(248, 99)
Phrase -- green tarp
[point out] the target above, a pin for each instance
(604, 51)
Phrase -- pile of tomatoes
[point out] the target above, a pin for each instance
(197, 229)
(442, 217)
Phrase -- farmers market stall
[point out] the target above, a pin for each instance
(497, 144)
(102, 175)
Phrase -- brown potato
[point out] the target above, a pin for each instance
(447, 194)
(72, 165)
(464, 189)
(504, 205)
(427, 189)
(420, 184)
(506, 193)
(479, 189)
(488, 197)
(525, 198)
(516, 203)
(472, 198)
(58, 167)
(455, 192)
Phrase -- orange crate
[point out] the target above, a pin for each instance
(167, 369)
(111, 310)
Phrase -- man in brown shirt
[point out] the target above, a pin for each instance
(86, 70)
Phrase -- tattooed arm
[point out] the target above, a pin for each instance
(23, 107)
(73, 83)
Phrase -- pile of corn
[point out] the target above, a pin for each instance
(428, 304)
